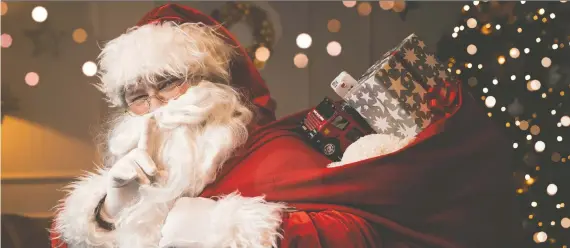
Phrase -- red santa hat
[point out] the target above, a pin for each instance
(175, 40)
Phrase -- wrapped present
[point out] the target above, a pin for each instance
(343, 83)
(404, 91)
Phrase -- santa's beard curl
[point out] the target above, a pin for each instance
(196, 133)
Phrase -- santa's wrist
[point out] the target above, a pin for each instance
(102, 217)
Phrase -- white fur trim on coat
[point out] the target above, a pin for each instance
(254, 222)
(233, 221)
(75, 221)
(189, 50)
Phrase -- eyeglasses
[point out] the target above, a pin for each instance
(141, 106)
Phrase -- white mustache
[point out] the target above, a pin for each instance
(192, 109)
(195, 106)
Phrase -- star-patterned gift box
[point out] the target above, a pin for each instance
(397, 95)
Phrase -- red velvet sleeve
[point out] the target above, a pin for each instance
(329, 229)
(55, 240)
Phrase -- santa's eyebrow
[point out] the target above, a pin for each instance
(133, 91)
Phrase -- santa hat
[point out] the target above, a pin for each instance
(175, 40)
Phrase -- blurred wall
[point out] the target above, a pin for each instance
(48, 138)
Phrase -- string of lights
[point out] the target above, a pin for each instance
(515, 57)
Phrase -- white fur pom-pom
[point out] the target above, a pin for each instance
(369, 146)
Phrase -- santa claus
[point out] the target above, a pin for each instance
(196, 159)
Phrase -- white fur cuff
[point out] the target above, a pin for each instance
(252, 221)
(75, 221)
(233, 221)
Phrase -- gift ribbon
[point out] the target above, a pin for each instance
(443, 97)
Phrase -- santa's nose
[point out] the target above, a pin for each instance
(155, 103)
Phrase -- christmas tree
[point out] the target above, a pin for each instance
(515, 57)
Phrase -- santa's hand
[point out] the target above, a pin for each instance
(232, 221)
(125, 176)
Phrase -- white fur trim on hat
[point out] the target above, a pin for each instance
(156, 50)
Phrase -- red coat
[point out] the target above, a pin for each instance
(449, 189)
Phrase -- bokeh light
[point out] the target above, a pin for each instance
(262, 54)
(399, 6)
(349, 4)
(523, 125)
(333, 25)
(472, 23)
(6, 40)
(546, 62)
(551, 189)
(565, 120)
(490, 101)
(386, 5)
(89, 68)
(471, 49)
(533, 85)
(79, 35)
(501, 59)
(486, 29)
(514, 52)
(565, 222)
(32, 79)
(4, 8)
(364, 8)
(539, 146)
(304, 40)
(540, 237)
(301, 60)
(334, 48)
(39, 14)
(535, 130)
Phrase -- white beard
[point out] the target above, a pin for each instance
(195, 135)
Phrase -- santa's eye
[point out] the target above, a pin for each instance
(168, 85)
(136, 98)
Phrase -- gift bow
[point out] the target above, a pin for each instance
(443, 97)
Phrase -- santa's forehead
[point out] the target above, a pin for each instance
(145, 53)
